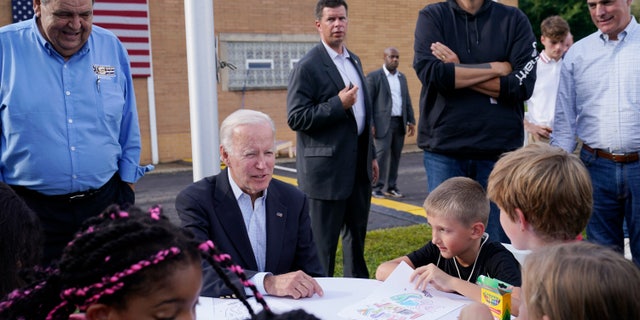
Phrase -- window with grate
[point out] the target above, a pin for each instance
(262, 61)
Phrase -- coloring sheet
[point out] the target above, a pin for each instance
(396, 299)
(233, 309)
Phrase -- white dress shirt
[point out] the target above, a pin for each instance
(350, 75)
(396, 92)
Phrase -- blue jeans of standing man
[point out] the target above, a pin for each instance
(616, 199)
(440, 168)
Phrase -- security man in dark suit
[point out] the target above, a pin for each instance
(392, 112)
(328, 107)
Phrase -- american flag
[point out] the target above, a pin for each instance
(128, 19)
(22, 10)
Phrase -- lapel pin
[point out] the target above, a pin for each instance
(279, 215)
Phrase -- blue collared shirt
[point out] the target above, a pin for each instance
(599, 94)
(255, 221)
(66, 126)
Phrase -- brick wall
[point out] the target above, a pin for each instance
(373, 26)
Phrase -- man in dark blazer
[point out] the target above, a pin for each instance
(329, 109)
(392, 112)
(262, 223)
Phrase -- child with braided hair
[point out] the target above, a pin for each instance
(125, 265)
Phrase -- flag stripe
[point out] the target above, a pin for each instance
(124, 20)
(123, 1)
(121, 7)
(136, 46)
(138, 52)
(122, 26)
(131, 35)
(137, 40)
(120, 13)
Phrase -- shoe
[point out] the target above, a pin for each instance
(394, 193)
(377, 194)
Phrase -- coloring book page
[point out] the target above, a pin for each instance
(233, 309)
(396, 299)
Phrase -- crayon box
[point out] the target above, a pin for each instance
(497, 296)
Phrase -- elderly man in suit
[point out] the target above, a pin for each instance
(392, 112)
(262, 223)
(328, 107)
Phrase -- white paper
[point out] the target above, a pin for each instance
(233, 309)
(397, 299)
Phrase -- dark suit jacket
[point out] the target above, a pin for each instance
(209, 209)
(330, 154)
(380, 94)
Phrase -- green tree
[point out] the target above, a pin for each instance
(575, 12)
(635, 9)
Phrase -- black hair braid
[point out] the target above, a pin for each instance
(91, 245)
(220, 271)
(89, 263)
(33, 301)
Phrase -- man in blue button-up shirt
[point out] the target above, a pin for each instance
(599, 103)
(70, 141)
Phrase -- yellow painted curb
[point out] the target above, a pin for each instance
(387, 203)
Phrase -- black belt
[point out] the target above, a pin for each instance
(69, 197)
(615, 157)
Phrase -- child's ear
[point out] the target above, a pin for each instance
(98, 311)
(477, 229)
(521, 219)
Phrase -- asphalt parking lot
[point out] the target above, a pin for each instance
(162, 185)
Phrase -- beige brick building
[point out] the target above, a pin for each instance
(373, 26)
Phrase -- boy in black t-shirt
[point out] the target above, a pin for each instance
(460, 250)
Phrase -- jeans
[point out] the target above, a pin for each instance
(440, 168)
(616, 200)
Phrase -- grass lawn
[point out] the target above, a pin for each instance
(386, 244)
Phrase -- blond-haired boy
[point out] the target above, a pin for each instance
(544, 195)
(459, 250)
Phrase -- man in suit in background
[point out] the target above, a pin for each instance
(328, 107)
(392, 111)
(262, 223)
